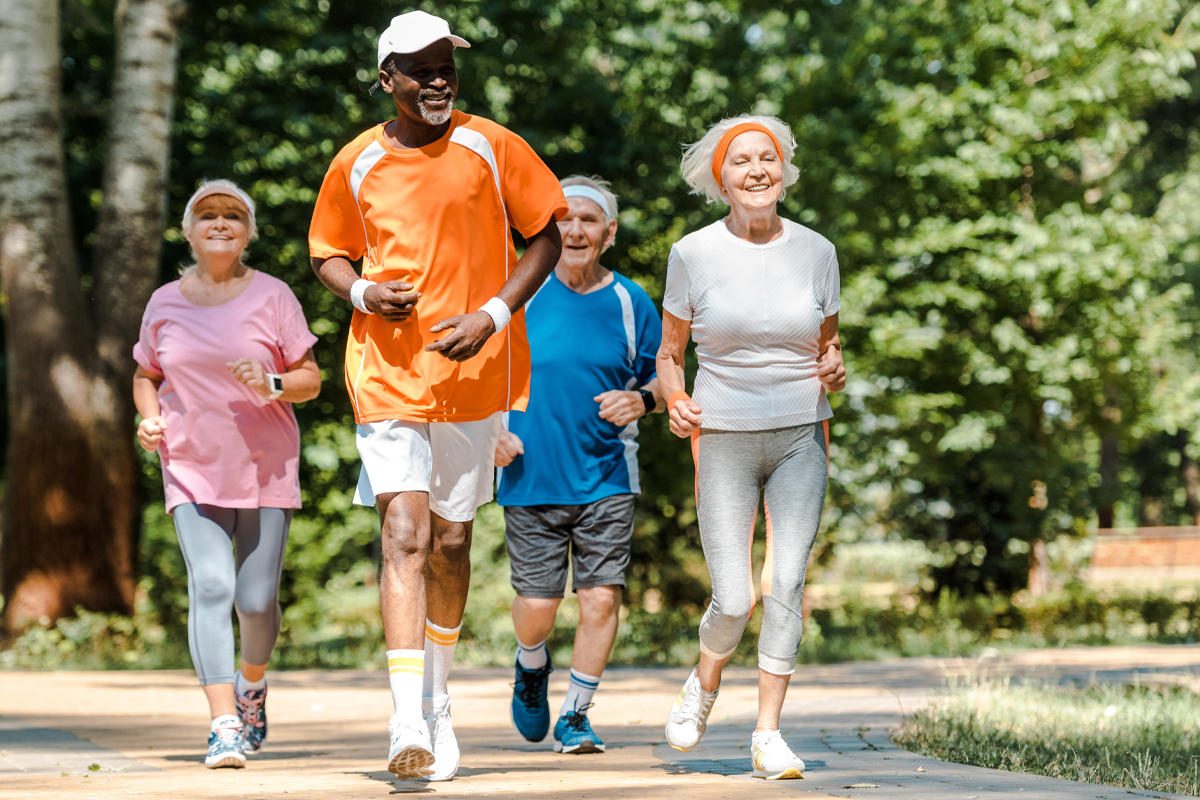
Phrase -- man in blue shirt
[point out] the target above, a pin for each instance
(569, 464)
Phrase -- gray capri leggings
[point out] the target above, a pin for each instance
(220, 576)
(731, 468)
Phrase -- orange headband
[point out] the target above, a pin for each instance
(727, 139)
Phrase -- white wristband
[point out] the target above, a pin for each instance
(497, 309)
(357, 290)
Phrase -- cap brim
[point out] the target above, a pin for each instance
(457, 41)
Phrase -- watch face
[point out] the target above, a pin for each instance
(277, 383)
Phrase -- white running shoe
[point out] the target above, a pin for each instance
(689, 715)
(773, 759)
(445, 745)
(411, 754)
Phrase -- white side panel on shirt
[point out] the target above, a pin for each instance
(477, 143)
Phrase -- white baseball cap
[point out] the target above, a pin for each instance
(415, 31)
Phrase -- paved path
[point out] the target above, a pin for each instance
(142, 735)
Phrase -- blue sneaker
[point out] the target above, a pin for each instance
(252, 709)
(530, 708)
(225, 747)
(573, 733)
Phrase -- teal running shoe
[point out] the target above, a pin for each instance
(252, 709)
(225, 745)
(530, 708)
(573, 733)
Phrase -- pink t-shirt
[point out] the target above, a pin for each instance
(225, 445)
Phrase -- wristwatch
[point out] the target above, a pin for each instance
(648, 399)
(276, 384)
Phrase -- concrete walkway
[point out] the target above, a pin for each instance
(142, 734)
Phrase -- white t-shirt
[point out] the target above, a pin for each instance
(756, 313)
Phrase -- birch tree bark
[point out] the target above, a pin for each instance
(70, 515)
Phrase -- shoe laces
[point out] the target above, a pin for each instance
(577, 720)
(440, 727)
(693, 698)
(228, 735)
(531, 685)
(773, 741)
(250, 707)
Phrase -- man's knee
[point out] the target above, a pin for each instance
(599, 603)
(404, 538)
(452, 540)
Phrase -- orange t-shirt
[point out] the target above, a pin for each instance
(437, 217)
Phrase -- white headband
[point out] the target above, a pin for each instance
(224, 187)
(582, 190)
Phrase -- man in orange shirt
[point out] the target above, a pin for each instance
(427, 201)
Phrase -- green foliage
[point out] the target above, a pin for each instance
(1133, 737)
(1011, 185)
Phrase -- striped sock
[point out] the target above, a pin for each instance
(579, 691)
(439, 655)
(406, 672)
(532, 656)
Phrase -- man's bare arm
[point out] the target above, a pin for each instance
(390, 301)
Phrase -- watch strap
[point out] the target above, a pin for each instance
(648, 399)
(276, 383)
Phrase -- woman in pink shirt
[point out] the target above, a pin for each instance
(224, 351)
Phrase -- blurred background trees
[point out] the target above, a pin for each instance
(1013, 188)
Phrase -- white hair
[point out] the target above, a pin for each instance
(236, 193)
(600, 185)
(696, 165)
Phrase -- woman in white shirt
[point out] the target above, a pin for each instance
(759, 296)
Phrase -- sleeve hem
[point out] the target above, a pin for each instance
(554, 215)
(829, 312)
(676, 311)
(298, 348)
(318, 252)
(144, 362)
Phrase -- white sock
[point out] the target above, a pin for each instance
(406, 673)
(439, 658)
(532, 656)
(242, 686)
(579, 691)
(226, 720)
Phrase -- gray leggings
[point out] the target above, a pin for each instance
(731, 468)
(245, 576)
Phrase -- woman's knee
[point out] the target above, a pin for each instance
(256, 604)
(212, 587)
(731, 612)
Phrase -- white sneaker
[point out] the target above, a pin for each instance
(689, 715)
(411, 754)
(445, 745)
(772, 758)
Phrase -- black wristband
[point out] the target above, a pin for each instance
(648, 399)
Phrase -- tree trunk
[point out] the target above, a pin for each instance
(1108, 479)
(70, 509)
(1189, 473)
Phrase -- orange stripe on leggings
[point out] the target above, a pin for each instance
(768, 558)
(825, 423)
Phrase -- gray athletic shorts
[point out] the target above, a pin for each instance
(596, 535)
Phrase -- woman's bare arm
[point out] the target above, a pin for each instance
(685, 413)
(831, 371)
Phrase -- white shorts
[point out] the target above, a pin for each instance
(452, 461)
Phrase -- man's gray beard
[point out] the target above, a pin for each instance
(439, 118)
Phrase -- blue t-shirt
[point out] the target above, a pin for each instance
(582, 345)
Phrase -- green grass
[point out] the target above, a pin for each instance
(1127, 736)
